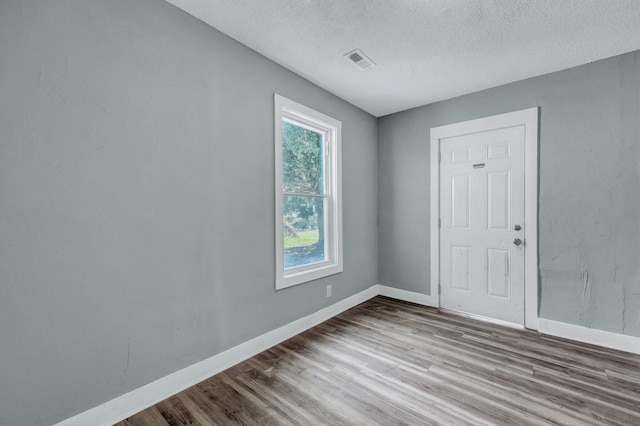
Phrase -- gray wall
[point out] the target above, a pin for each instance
(137, 200)
(589, 195)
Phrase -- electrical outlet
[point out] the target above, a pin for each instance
(329, 290)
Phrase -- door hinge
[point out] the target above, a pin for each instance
(439, 289)
(439, 157)
(439, 223)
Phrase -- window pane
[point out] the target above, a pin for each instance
(302, 160)
(304, 230)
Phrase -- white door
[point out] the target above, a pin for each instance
(482, 223)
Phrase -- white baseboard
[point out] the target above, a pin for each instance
(593, 336)
(407, 296)
(137, 400)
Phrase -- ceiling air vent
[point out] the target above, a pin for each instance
(359, 59)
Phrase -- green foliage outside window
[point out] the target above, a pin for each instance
(302, 159)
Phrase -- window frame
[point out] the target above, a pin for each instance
(331, 129)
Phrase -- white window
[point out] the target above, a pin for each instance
(308, 194)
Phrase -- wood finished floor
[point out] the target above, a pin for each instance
(387, 362)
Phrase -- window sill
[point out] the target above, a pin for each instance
(296, 276)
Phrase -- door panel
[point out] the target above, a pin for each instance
(481, 199)
(460, 268)
(498, 273)
(460, 214)
(499, 200)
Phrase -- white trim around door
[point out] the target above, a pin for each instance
(529, 119)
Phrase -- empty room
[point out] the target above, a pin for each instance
(281, 212)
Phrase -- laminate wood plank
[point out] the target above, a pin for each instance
(149, 417)
(364, 402)
(215, 409)
(388, 362)
(175, 413)
(528, 401)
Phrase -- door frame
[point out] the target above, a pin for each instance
(529, 119)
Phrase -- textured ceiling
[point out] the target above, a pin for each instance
(425, 50)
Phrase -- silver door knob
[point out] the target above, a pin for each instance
(517, 241)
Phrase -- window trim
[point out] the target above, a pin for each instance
(286, 109)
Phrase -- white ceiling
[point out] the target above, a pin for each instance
(425, 50)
